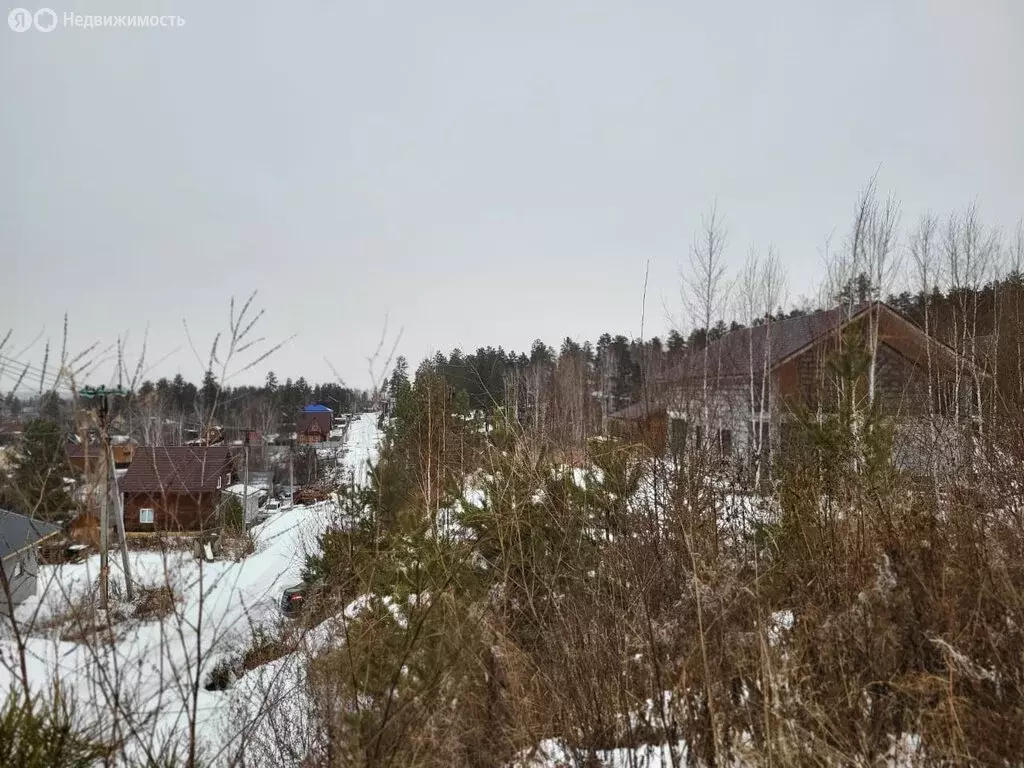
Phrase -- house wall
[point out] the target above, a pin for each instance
(801, 384)
(806, 383)
(80, 465)
(901, 385)
(901, 392)
(23, 585)
(313, 427)
(729, 416)
(123, 454)
(172, 511)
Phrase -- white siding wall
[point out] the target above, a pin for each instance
(728, 408)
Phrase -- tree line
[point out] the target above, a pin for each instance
(583, 383)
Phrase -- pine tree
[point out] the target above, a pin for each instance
(40, 465)
(208, 395)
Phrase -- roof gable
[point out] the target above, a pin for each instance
(18, 531)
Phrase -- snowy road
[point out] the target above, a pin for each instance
(155, 661)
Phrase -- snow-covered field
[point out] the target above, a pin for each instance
(150, 665)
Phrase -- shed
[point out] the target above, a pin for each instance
(20, 537)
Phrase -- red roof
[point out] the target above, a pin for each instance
(187, 469)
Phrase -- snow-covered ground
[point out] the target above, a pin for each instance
(220, 603)
(362, 447)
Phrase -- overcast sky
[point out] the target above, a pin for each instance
(478, 172)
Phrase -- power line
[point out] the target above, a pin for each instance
(29, 372)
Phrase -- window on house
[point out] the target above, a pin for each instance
(146, 516)
(725, 441)
(677, 430)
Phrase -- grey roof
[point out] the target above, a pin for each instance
(731, 354)
(18, 532)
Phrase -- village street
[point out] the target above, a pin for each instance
(218, 606)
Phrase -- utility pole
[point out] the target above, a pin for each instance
(122, 539)
(102, 397)
(104, 523)
(245, 482)
(291, 472)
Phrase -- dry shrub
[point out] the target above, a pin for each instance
(866, 614)
(153, 603)
(267, 646)
(161, 542)
(236, 546)
(264, 647)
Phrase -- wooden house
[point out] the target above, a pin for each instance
(176, 489)
(741, 394)
(313, 424)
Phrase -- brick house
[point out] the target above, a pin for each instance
(761, 378)
(176, 489)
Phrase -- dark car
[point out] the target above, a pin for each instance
(294, 598)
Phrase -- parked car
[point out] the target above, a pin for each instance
(294, 598)
(273, 505)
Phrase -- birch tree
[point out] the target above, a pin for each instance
(882, 265)
(870, 254)
(706, 289)
(761, 288)
(969, 251)
(924, 256)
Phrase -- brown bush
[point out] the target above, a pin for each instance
(155, 602)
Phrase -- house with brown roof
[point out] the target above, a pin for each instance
(314, 424)
(176, 488)
(760, 379)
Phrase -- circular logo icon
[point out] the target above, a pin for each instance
(20, 20)
(45, 20)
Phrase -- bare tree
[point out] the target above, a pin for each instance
(1015, 265)
(761, 290)
(970, 252)
(927, 274)
(705, 288)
